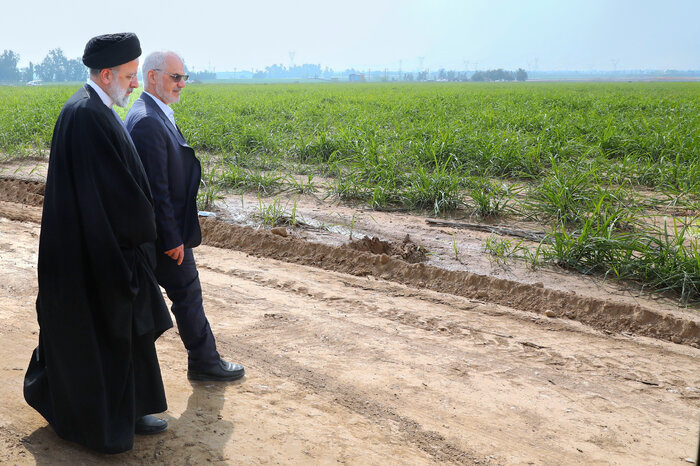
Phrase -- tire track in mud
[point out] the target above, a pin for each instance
(432, 443)
(601, 314)
(463, 329)
(605, 315)
(439, 326)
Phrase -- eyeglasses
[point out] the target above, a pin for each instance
(130, 76)
(176, 77)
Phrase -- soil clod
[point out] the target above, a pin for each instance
(407, 250)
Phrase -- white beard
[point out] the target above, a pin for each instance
(164, 95)
(118, 95)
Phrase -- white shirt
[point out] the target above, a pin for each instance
(107, 100)
(169, 112)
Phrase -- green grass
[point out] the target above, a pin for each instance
(593, 162)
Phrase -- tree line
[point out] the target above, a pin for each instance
(500, 75)
(55, 67)
(477, 76)
(305, 71)
(315, 71)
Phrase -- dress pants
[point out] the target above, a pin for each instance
(182, 286)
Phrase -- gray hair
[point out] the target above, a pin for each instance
(95, 72)
(156, 61)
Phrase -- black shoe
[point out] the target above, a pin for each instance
(148, 425)
(221, 371)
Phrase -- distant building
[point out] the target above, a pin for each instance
(357, 78)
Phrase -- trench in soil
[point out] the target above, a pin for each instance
(21, 200)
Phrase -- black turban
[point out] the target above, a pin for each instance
(109, 50)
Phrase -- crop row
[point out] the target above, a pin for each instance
(647, 134)
(612, 171)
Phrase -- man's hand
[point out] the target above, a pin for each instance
(177, 254)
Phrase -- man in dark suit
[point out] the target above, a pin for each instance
(174, 175)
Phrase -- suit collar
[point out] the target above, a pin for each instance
(163, 107)
(151, 103)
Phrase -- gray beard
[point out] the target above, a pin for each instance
(118, 95)
(168, 98)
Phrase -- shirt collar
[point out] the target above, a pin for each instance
(107, 100)
(169, 112)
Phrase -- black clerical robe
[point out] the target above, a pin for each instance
(99, 307)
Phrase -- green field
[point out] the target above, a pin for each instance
(611, 171)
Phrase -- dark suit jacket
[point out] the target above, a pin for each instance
(173, 172)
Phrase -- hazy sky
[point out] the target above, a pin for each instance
(454, 34)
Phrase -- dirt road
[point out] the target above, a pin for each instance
(361, 370)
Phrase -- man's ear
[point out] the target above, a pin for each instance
(151, 77)
(106, 76)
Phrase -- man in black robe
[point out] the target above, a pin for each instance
(95, 375)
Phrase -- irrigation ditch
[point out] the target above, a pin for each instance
(21, 201)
